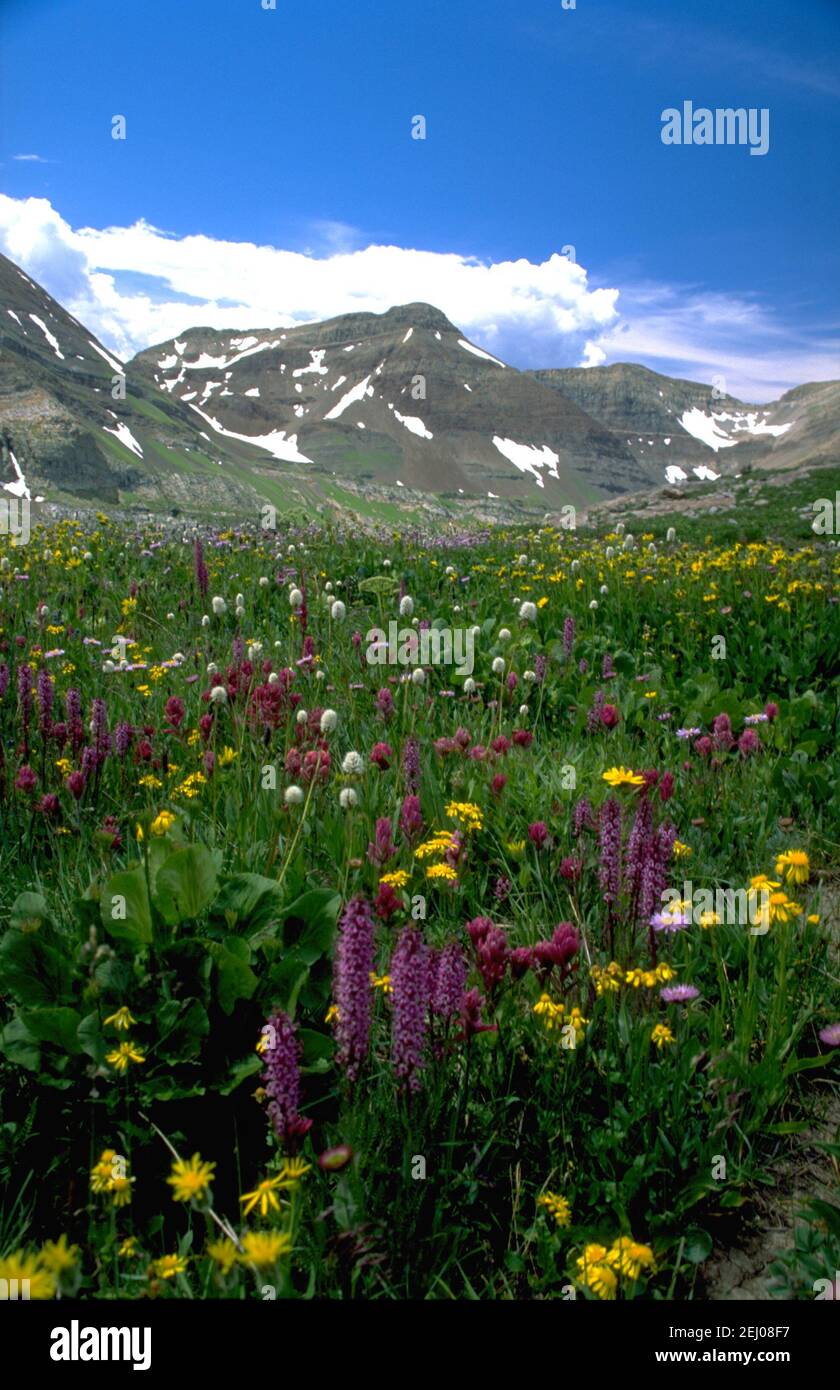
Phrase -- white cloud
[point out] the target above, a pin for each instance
(86, 269)
(29, 158)
(531, 315)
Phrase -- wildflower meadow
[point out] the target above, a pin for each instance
(395, 916)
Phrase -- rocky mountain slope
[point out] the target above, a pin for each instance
(386, 415)
(682, 430)
(400, 398)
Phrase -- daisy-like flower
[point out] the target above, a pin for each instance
(442, 871)
(681, 850)
(629, 1258)
(128, 1248)
(30, 1274)
(292, 1171)
(120, 1190)
(190, 1178)
(223, 1253)
(759, 881)
(264, 1248)
(679, 994)
(121, 1020)
(397, 879)
(382, 982)
(557, 1206)
(263, 1196)
(831, 1035)
(664, 972)
(782, 908)
(57, 1256)
(550, 1012)
(594, 1272)
(168, 1266)
(162, 822)
(617, 777)
(794, 866)
(467, 813)
(669, 921)
(123, 1055)
(662, 1036)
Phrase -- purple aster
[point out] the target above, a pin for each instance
(831, 1035)
(669, 921)
(679, 994)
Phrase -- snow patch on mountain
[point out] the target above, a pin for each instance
(316, 363)
(113, 362)
(356, 393)
(50, 337)
(18, 488)
(479, 352)
(528, 458)
(124, 435)
(705, 428)
(413, 423)
(274, 443)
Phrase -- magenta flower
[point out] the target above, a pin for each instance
(831, 1035)
(538, 833)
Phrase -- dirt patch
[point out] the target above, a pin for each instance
(742, 1272)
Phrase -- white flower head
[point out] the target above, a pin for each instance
(528, 612)
(347, 799)
(205, 621)
(273, 678)
(498, 667)
(255, 651)
(504, 634)
(219, 606)
(352, 764)
(264, 581)
(593, 603)
(295, 598)
(338, 612)
(670, 534)
(529, 677)
(293, 796)
(218, 695)
(212, 668)
(604, 589)
(469, 686)
(418, 676)
(406, 606)
(523, 711)
(301, 716)
(329, 721)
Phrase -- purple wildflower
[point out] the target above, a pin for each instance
(410, 983)
(382, 848)
(281, 1077)
(679, 994)
(201, 576)
(609, 837)
(450, 981)
(568, 637)
(353, 966)
(831, 1035)
(411, 765)
(411, 818)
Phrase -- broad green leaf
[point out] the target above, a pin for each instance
(32, 971)
(58, 1025)
(124, 906)
(185, 885)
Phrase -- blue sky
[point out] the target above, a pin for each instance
(291, 129)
